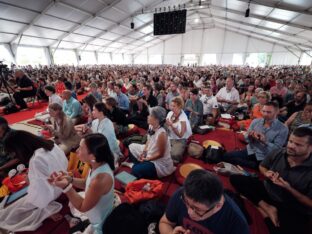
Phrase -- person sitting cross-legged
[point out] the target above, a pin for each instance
(263, 136)
(285, 197)
(201, 206)
(153, 159)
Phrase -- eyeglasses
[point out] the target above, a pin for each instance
(194, 209)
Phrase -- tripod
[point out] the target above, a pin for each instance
(4, 83)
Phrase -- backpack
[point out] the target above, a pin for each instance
(134, 139)
(213, 154)
(4, 101)
(10, 108)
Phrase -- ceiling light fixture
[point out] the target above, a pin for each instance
(248, 10)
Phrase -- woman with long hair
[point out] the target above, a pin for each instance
(97, 202)
(43, 158)
(62, 129)
(87, 108)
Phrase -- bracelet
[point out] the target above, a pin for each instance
(67, 188)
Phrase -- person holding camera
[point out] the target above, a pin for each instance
(25, 88)
(263, 136)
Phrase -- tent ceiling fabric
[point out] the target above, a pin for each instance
(104, 25)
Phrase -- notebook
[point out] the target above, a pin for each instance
(125, 177)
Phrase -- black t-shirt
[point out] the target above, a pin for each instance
(24, 82)
(152, 101)
(118, 116)
(229, 219)
(292, 108)
(299, 177)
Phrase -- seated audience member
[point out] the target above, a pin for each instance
(62, 129)
(79, 85)
(153, 159)
(59, 86)
(148, 98)
(264, 135)
(254, 98)
(97, 201)
(201, 206)
(210, 105)
(194, 109)
(140, 107)
(159, 94)
(279, 90)
(25, 88)
(228, 97)
(87, 108)
(285, 197)
(263, 98)
(53, 98)
(43, 157)
(179, 129)
(7, 161)
(299, 118)
(94, 91)
(122, 99)
(41, 94)
(299, 102)
(69, 86)
(102, 124)
(173, 92)
(246, 96)
(71, 107)
(116, 115)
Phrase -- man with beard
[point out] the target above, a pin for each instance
(201, 206)
(285, 197)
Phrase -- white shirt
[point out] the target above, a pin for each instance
(209, 103)
(182, 118)
(232, 95)
(41, 165)
(55, 99)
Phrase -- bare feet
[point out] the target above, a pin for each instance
(56, 217)
(273, 215)
(270, 211)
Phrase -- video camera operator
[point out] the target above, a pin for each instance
(25, 88)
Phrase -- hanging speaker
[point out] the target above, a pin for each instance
(79, 57)
(132, 25)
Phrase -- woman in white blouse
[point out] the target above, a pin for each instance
(179, 129)
(43, 158)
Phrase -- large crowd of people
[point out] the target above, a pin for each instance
(271, 105)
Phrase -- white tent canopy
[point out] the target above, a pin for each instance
(98, 31)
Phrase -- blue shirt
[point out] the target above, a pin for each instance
(106, 127)
(72, 108)
(229, 219)
(123, 101)
(275, 137)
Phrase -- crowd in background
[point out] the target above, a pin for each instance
(269, 104)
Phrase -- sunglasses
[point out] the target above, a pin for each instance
(194, 209)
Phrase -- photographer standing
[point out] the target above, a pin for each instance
(25, 88)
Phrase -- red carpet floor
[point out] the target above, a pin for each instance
(29, 113)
